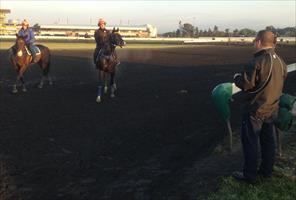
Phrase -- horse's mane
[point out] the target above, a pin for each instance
(107, 47)
(111, 42)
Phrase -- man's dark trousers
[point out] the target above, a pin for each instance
(252, 130)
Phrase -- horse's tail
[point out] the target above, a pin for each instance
(11, 51)
(45, 59)
(46, 69)
(11, 58)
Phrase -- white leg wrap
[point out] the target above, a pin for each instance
(98, 100)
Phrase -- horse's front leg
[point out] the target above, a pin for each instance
(17, 69)
(113, 85)
(14, 87)
(100, 86)
(21, 78)
(43, 78)
(105, 83)
(50, 82)
(20, 71)
(40, 85)
(24, 89)
(45, 74)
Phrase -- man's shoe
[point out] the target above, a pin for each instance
(239, 176)
(263, 176)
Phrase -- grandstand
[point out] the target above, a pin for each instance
(88, 31)
(4, 27)
(11, 27)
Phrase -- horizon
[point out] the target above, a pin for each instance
(201, 14)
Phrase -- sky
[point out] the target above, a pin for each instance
(165, 15)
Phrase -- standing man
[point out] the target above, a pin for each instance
(29, 36)
(101, 37)
(262, 83)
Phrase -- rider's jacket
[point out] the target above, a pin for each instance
(101, 37)
(28, 34)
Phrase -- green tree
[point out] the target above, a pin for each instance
(196, 32)
(227, 33)
(290, 31)
(246, 32)
(210, 32)
(216, 28)
(216, 31)
(235, 32)
(200, 33)
(178, 33)
(169, 34)
(270, 28)
(188, 30)
(287, 32)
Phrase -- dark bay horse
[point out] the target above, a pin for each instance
(107, 63)
(20, 58)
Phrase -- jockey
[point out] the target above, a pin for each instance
(101, 37)
(29, 36)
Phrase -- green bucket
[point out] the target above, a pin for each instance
(284, 119)
(287, 101)
(221, 95)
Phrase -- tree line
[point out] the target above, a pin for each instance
(188, 30)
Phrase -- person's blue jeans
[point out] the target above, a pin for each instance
(253, 130)
(32, 48)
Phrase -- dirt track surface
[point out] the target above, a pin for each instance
(150, 142)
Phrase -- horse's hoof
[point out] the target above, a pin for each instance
(98, 100)
(14, 91)
(40, 86)
(50, 83)
(105, 90)
(115, 86)
(112, 95)
(24, 90)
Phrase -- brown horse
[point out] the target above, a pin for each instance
(20, 58)
(107, 63)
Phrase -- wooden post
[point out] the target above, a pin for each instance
(230, 135)
(278, 133)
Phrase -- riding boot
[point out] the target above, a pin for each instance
(34, 58)
(95, 56)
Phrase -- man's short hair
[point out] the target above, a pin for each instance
(267, 38)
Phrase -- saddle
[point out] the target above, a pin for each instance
(37, 53)
(111, 63)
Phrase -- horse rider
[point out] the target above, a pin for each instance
(29, 37)
(101, 36)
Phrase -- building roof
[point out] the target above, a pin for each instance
(4, 11)
(81, 27)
